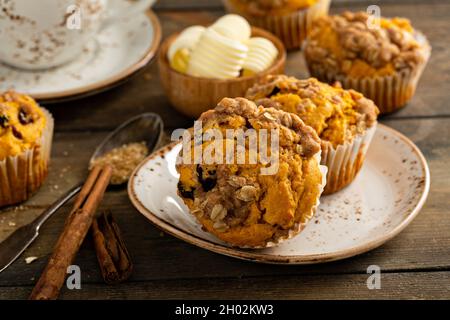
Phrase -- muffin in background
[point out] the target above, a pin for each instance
(344, 120)
(26, 132)
(235, 201)
(381, 58)
(289, 20)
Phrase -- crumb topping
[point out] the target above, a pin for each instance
(234, 201)
(337, 115)
(352, 45)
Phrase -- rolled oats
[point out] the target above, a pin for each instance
(299, 149)
(220, 226)
(218, 212)
(246, 193)
(269, 116)
(236, 181)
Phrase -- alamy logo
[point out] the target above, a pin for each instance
(73, 17)
(74, 279)
(374, 12)
(374, 280)
(236, 147)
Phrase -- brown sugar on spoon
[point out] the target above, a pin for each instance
(123, 160)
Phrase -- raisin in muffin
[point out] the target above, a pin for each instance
(289, 20)
(381, 58)
(236, 201)
(25, 141)
(344, 120)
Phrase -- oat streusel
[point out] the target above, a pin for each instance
(235, 201)
(344, 120)
(336, 114)
(350, 44)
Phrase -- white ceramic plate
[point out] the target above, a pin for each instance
(384, 198)
(117, 53)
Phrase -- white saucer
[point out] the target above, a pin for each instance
(384, 198)
(116, 54)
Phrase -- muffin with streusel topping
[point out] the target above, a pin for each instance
(381, 58)
(251, 197)
(344, 120)
(289, 20)
(25, 140)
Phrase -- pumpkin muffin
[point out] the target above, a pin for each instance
(344, 120)
(240, 202)
(289, 20)
(25, 140)
(381, 58)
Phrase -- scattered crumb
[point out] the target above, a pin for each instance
(12, 224)
(19, 208)
(64, 171)
(29, 260)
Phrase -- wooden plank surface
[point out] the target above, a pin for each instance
(337, 286)
(416, 264)
(423, 246)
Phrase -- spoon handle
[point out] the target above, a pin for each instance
(55, 207)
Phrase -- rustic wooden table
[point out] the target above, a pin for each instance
(416, 264)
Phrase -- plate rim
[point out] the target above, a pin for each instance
(252, 255)
(109, 82)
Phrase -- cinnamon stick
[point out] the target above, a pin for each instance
(112, 254)
(75, 229)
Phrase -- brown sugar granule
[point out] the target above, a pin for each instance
(123, 160)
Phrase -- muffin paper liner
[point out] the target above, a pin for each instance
(390, 93)
(23, 174)
(292, 28)
(298, 226)
(345, 161)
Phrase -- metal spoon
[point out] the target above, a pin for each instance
(146, 127)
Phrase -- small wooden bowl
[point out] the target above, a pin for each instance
(194, 95)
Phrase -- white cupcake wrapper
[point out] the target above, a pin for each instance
(389, 93)
(299, 226)
(345, 161)
(23, 174)
(292, 28)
